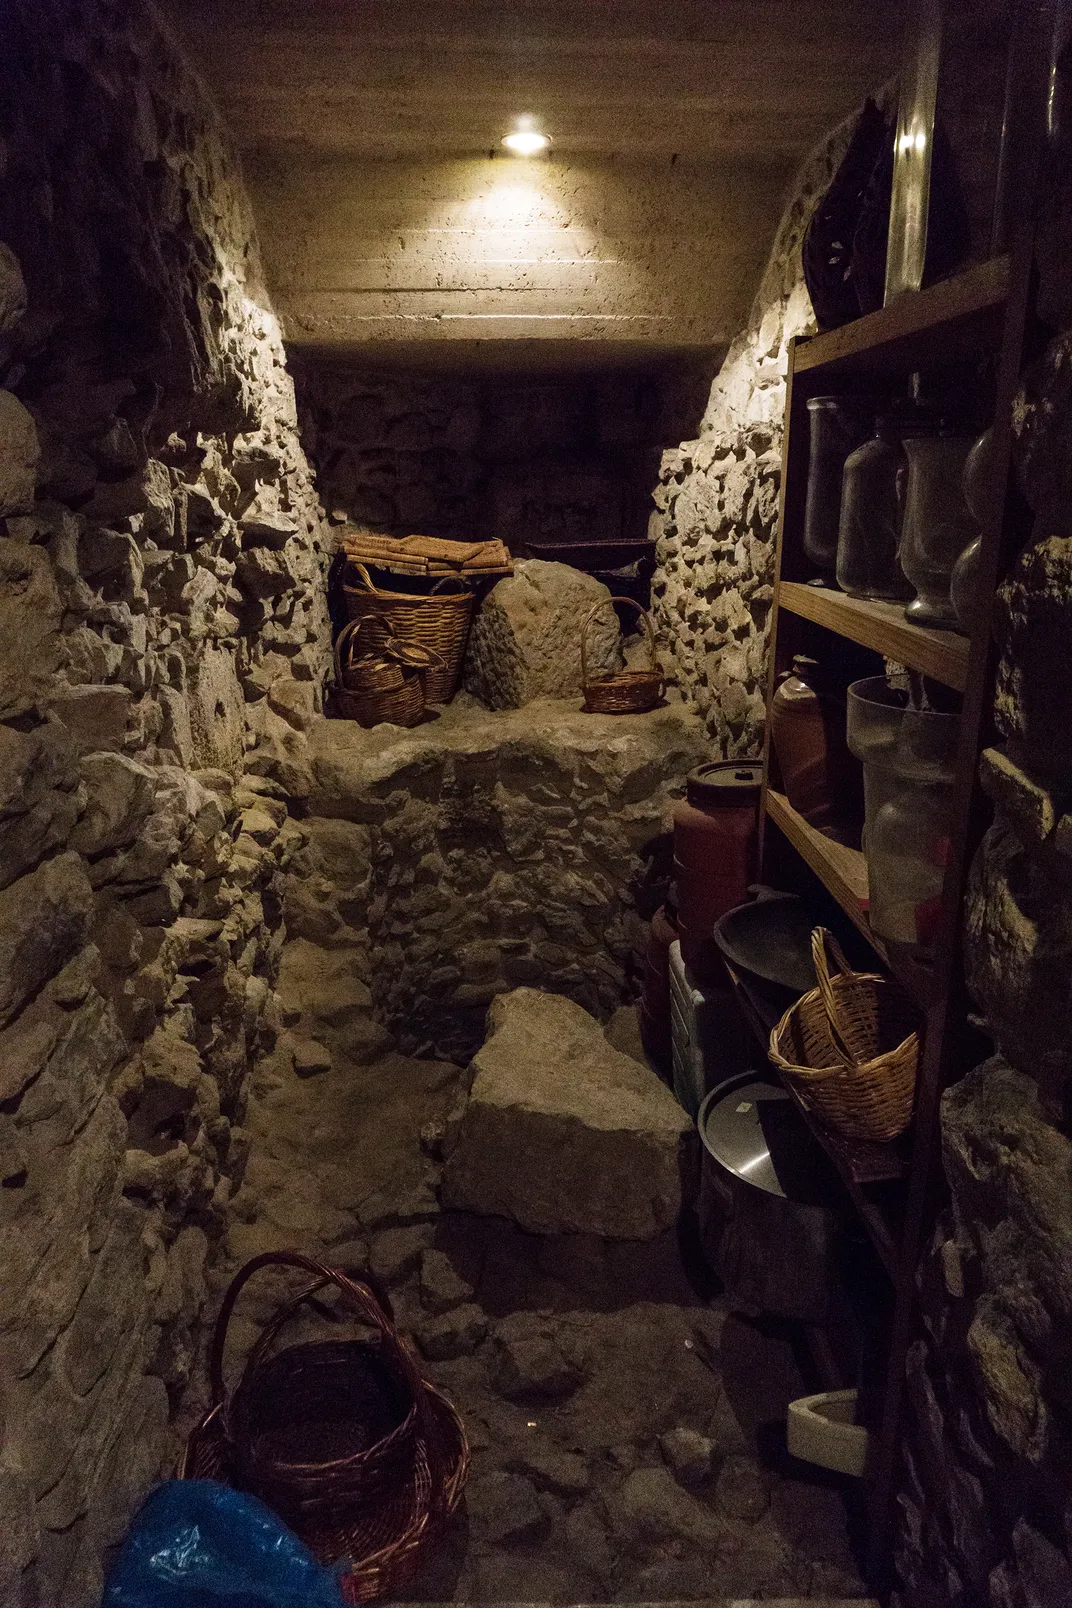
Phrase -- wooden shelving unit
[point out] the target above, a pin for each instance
(978, 317)
(882, 627)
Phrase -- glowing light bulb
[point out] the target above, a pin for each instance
(525, 139)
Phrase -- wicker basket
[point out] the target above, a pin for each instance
(439, 620)
(295, 1432)
(627, 692)
(850, 1048)
(384, 685)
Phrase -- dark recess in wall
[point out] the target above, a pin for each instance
(527, 457)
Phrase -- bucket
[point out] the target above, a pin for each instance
(765, 1223)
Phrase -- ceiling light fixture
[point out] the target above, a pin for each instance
(525, 139)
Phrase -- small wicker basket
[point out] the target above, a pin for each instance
(626, 692)
(439, 620)
(850, 1048)
(385, 684)
(344, 1439)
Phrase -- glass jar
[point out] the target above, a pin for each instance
(908, 757)
(937, 524)
(836, 425)
(869, 528)
(907, 850)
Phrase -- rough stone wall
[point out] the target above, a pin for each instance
(716, 504)
(162, 633)
(492, 849)
(986, 1504)
(537, 457)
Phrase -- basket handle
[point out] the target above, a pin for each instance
(645, 617)
(346, 639)
(366, 1304)
(364, 574)
(822, 939)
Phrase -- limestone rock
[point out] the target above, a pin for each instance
(30, 612)
(525, 641)
(689, 1454)
(12, 289)
(119, 798)
(397, 1252)
(741, 1490)
(564, 1474)
(310, 1057)
(504, 1508)
(456, 1333)
(44, 918)
(441, 1287)
(528, 1363)
(562, 1133)
(38, 802)
(321, 983)
(655, 1511)
(19, 453)
(96, 716)
(1033, 707)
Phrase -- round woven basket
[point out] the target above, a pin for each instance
(850, 1048)
(345, 1440)
(627, 692)
(438, 620)
(384, 684)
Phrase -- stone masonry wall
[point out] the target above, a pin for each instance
(162, 640)
(716, 504)
(540, 457)
(488, 850)
(986, 1502)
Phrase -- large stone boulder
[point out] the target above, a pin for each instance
(562, 1133)
(526, 639)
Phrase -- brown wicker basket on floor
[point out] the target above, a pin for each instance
(384, 685)
(850, 1048)
(439, 620)
(627, 692)
(345, 1439)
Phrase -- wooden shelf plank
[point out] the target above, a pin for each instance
(883, 627)
(841, 870)
(961, 317)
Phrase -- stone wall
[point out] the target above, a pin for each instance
(716, 503)
(985, 1504)
(162, 638)
(490, 849)
(540, 457)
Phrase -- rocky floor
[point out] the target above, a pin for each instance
(625, 1431)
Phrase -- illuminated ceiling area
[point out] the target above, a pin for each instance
(391, 215)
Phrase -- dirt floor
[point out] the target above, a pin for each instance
(626, 1428)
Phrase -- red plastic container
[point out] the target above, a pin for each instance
(654, 1009)
(715, 840)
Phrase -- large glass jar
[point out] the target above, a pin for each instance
(836, 425)
(937, 524)
(907, 850)
(869, 529)
(909, 757)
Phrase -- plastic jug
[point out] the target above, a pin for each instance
(808, 734)
(715, 840)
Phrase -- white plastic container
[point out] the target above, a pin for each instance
(820, 1430)
(698, 1031)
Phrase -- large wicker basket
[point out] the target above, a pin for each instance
(627, 692)
(345, 1439)
(850, 1047)
(439, 619)
(385, 684)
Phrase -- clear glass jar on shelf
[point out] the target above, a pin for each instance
(836, 425)
(907, 851)
(937, 524)
(870, 524)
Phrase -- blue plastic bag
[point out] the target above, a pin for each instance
(197, 1544)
